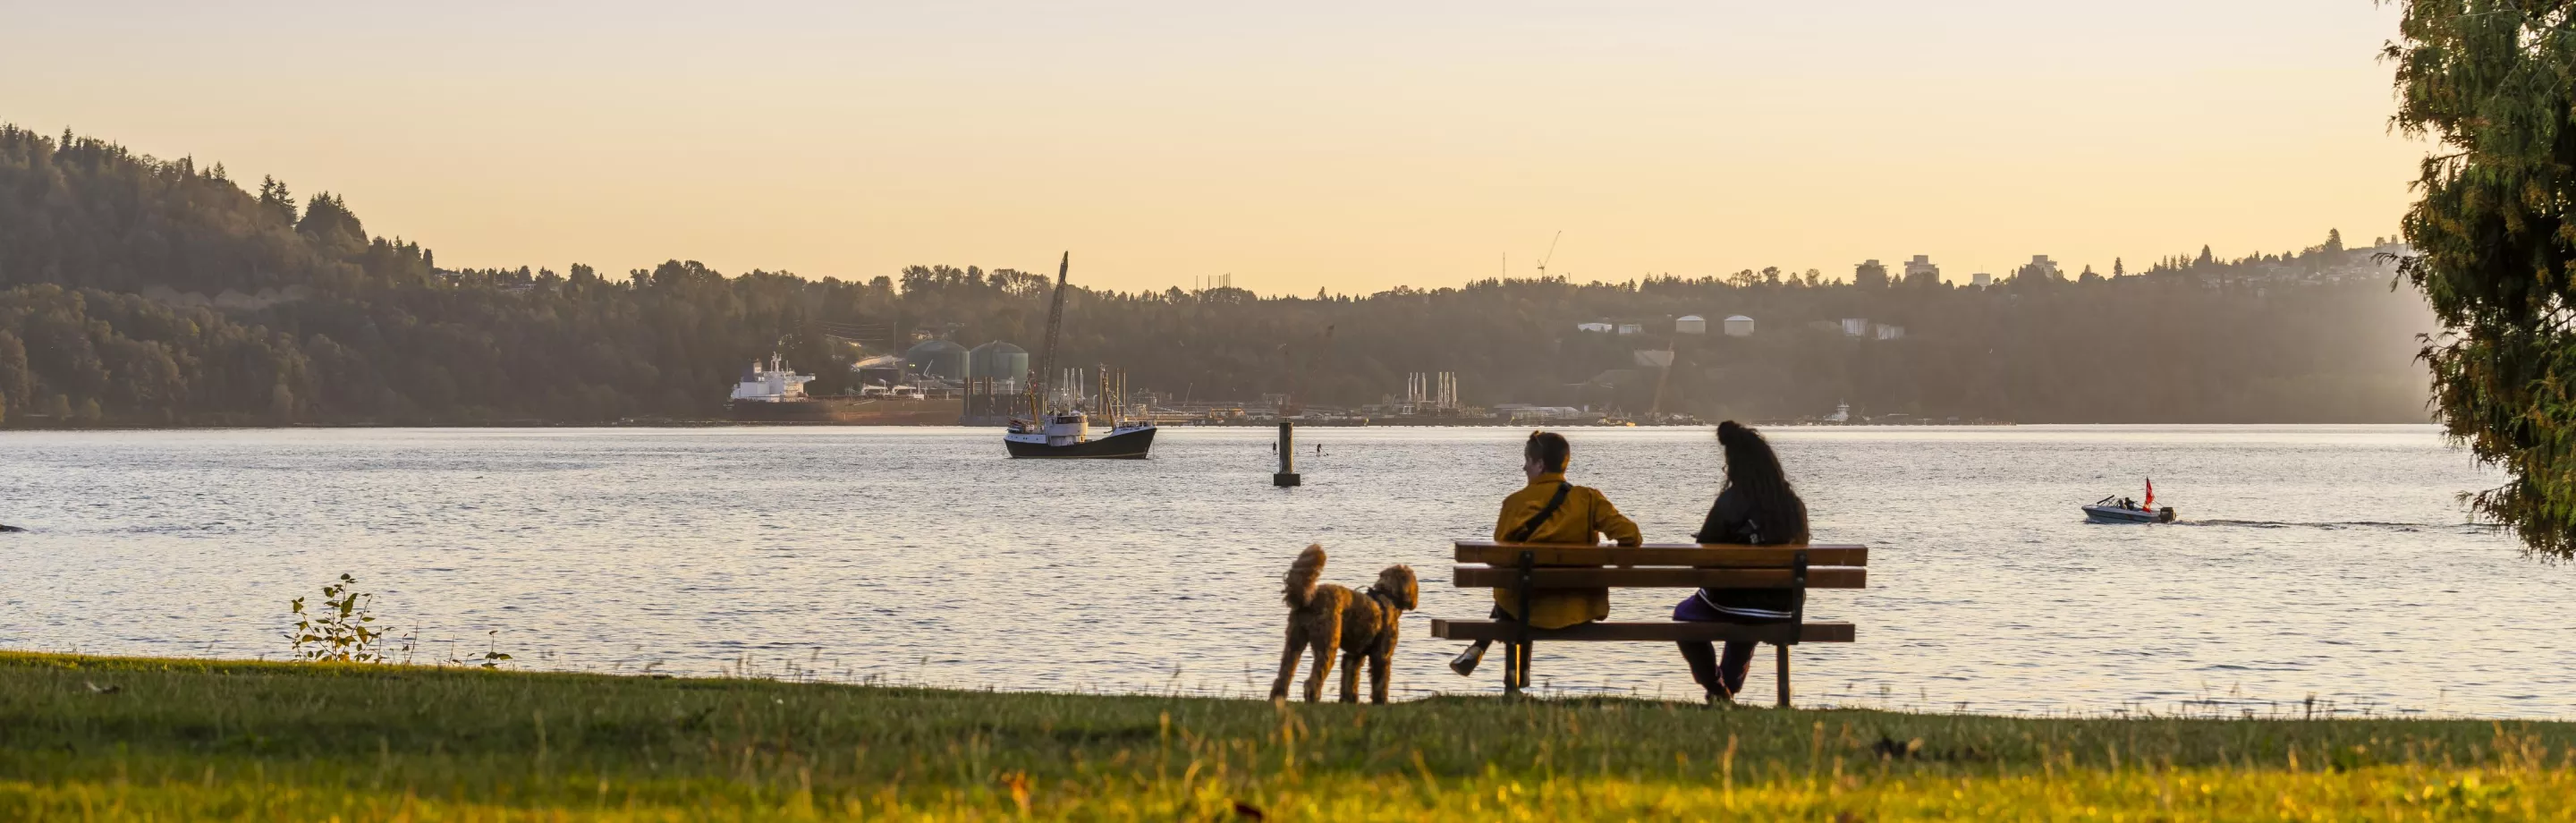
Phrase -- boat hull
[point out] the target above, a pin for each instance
(2117, 514)
(845, 411)
(1132, 444)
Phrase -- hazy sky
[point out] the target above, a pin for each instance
(1352, 146)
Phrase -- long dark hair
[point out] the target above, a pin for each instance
(1753, 471)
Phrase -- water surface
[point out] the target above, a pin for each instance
(2325, 561)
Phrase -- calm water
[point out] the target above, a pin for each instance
(2326, 561)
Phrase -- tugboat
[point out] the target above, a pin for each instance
(1066, 432)
(2117, 509)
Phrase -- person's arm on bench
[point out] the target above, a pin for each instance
(1607, 520)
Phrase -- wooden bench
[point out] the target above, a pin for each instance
(1521, 567)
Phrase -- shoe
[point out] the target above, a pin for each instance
(1465, 663)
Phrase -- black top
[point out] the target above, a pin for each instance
(1730, 520)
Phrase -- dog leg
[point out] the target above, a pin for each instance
(1326, 641)
(1288, 662)
(1351, 676)
(1378, 666)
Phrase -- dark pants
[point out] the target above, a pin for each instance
(1721, 676)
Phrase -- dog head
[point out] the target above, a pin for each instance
(1397, 583)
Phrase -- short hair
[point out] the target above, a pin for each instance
(1549, 449)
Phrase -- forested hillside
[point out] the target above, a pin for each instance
(139, 291)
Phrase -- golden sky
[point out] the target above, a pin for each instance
(1348, 146)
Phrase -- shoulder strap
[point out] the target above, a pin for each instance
(1522, 534)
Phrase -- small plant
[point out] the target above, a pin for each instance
(489, 658)
(340, 630)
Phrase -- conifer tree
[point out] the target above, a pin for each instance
(273, 196)
(2491, 83)
(1870, 275)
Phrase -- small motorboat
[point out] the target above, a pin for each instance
(2117, 509)
(2113, 510)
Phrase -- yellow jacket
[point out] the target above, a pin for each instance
(1583, 519)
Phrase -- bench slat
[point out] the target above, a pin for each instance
(1819, 577)
(1814, 632)
(1710, 556)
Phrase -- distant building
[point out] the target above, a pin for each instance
(2041, 267)
(1981, 280)
(937, 359)
(1887, 332)
(1598, 328)
(1739, 326)
(881, 370)
(1855, 327)
(1632, 328)
(1920, 271)
(1691, 324)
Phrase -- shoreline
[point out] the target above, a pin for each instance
(122, 738)
(729, 424)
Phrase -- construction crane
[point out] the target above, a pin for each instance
(1550, 255)
(1045, 382)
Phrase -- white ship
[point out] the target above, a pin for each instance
(774, 384)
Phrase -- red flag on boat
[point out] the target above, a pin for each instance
(2151, 494)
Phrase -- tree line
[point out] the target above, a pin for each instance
(142, 291)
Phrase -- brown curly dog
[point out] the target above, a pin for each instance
(1329, 618)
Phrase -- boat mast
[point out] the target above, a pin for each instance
(1040, 400)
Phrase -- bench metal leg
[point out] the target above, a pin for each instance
(1784, 675)
(1516, 677)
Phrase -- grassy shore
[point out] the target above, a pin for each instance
(122, 738)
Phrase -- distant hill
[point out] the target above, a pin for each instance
(141, 291)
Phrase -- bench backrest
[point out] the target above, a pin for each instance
(1662, 565)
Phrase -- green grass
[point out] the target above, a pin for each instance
(187, 739)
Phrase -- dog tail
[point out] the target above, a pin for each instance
(1302, 576)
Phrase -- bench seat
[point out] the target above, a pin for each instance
(1665, 631)
(1516, 570)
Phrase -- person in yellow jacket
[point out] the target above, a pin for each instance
(1551, 510)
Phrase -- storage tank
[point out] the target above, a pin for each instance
(1691, 324)
(1739, 326)
(999, 361)
(937, 358)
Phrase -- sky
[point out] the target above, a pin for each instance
(1331, 145)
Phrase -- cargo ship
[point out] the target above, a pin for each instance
(773, 393)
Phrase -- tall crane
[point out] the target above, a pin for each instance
(1550, 255)
(1040, 388)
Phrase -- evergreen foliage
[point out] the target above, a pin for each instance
(2494, 85)
(135, 291)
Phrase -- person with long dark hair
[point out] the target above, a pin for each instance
(1756, 507)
